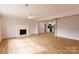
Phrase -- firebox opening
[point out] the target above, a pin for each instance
(22, 31)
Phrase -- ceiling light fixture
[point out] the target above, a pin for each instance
(26, 5)
(30, 14)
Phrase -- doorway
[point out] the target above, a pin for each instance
(50, 26)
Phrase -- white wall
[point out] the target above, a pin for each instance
(33, 27)
(41, 27)
(10, 26)
(68, 27)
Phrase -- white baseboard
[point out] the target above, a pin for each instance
(15, 36)
(68, 37)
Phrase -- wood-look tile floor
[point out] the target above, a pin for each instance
(39, 44)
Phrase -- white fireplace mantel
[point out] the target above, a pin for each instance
(18, 27)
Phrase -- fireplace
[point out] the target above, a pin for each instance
(23, 31)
